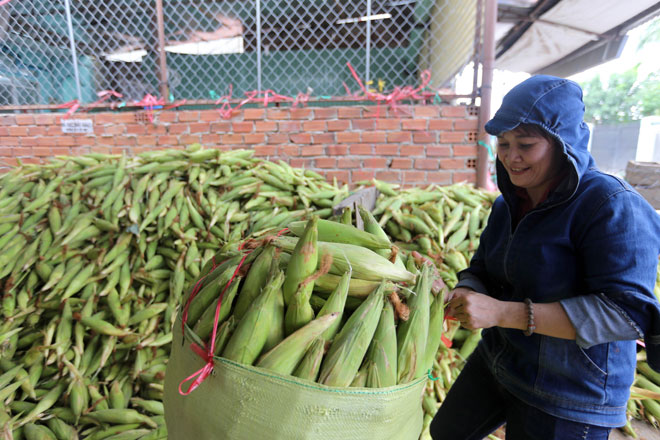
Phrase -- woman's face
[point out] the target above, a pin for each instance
(530, 160)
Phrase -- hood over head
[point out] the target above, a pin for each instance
(555, 105)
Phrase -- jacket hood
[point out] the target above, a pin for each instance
(555, 105)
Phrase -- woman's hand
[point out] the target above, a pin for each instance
(474, 310)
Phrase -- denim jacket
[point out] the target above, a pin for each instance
(593, 246)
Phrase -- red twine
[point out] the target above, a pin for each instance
(398, 94)
(206, 354)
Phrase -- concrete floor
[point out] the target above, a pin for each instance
(645, 431)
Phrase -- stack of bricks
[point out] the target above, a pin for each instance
(413, 145)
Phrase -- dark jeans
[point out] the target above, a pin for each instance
(476, 405)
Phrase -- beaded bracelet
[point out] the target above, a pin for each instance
(530, 318)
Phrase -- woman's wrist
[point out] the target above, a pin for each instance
(513, 314)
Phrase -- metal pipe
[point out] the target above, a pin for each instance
(486, 90)
(368, 44)
(478, 47)
(74, 54)
(162, 55)
(258, 44)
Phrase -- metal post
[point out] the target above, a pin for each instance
(486, 89)
(74, 54)
(478, 50)
(162, 55)
(258, 44)
(368, 42)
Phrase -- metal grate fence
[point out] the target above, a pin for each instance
(56, 51)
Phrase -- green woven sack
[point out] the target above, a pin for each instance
(238, 402)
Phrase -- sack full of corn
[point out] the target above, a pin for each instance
(323, 331)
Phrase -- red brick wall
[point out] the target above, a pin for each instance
(416, 145)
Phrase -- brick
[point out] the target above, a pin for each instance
(387, 149)
(146, 140)
(336, 150)
(426, 111)
(447, 137)
(42, 151)
(32, 160)
(45, 118)
(25, 120)
(102, 150)
(8, 120)
(141, 129)
(125, 141)
(10, 162)
(466, 124)
(290, 126)
(399, 136)
(66, 141)
(157, 129)
(314, 126)
(277, 114)
(179, 128)
(465, 150)
(47, 141)
(349, 112)
(452, 164)
(375, 162)
(168, 140)
(131, 117)
(389, 176)
(263, 126)
(464, 176)
(401, 163)
(221, 127)
(326, 162)
(440, 124)
(242, 127)
(401, 111)
(301, 163)
(278, 138)
(301, 138)
(211, 138)
(61, 151)
(254, 138)
(414, 124)
(425, 137)
(188, 116)
(265, 150)
(438, 150)
(200, 127)
(347, 137)
(363, 124)
(374, 136)
(300, 113)
(358, 175)
(251, 114)
(114, 129)
(341, 176)
(426, 164)
(361, 149)
(453, 111)
(90, 140)
(311, 150)
(21, 151)
(412, 150)
(232, 139)
(388, 124)
(325, 113)
(348, 162)
(439, 177)
(339, 125)
(53, 130)
(8, 141)
(323, 138)
(289, 150)
(414, 177)
(18, 131)
(209, 115)
(187, 139)
(168, 116)
(4, 131)
(5, 152)
(29, 141)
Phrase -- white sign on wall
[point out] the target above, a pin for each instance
(77, 126)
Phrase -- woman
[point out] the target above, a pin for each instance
(562, 283)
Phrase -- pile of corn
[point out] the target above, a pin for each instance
(95, 254)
